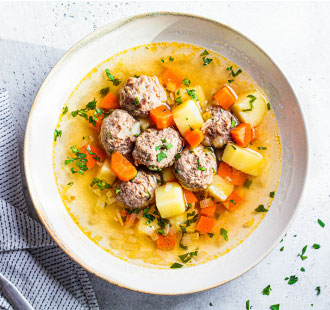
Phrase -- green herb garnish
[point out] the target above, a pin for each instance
(171, 58)
(303, 251)
(186, 82)
(118, 190)
(101, 184)
(247, 305)
(65, 110)
(149, 195)
(70, 183)
(234, 74)
(261, 208)
(153, 168)
(57, 133)
(185, 258)
(136, 102)
(206, 61)
(162, 60)
(292, 280)
(316, 246)
(321, 223)
(176, 265)
(275, 307)
(318, 290)
(234, 147)
(104, 91)
(252, 99)
(80, 161)
(112, 79)
(247, 183)
(177, 156)
(282, 248)
(192, 94)
(211, 235)
(178, 100)
(205, 53)
(262, 148)
(268, 106)
(233, 123)
(199, 166)
(272, 194)
(266, 290)
(224, 234)
(302, 269)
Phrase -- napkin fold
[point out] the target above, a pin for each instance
(29, 257)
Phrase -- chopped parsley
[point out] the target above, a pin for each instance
(318, 290)
(233, 123)
(178, 100)
(206, 61)
(136, 76)
(65, 110)
(262, 148)
(211, 304)
(192, 94)
(282, 248)
(303, 251)
(210, 235)
(163, 148)
(205, 53)
(110, 135)
(186, 82)
(247, 183)
(162, 60)
(232, 72)
(57, 133)
(80, 161)
(112, 79)
(316, 246)
(149, 195)
(321, 223)
(272, 194)
(266, 290)
(104, 91)
(101, 184)
(199, 166)
(252, 99)
(153, 168)
(230, 81)
(247, 305)
(162, 155)
(268, 106)
(177, 156)
(302, 269)
(275, 307)
(171, 58)
(185, 258)
(224, 234)
(176, 265)
(292, 280)
(191, 218)
(148, 216)
(183, 231)
(234, 147)
(136, 102)
(70, 183)
(261, 208)
(118, 190)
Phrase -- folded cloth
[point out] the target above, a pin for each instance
(29, 258)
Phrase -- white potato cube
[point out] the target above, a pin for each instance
(220, 188)
(170, 200)
(182, 92)
(250, 108)
(243, 159)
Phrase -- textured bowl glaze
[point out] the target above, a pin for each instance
(124, 34)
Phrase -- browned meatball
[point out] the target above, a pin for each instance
(195, 168)
(156, 149)
(140, 95)
(217, 128)
(118, 132)
(139, 192)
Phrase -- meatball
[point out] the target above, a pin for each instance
(156, 149)
(217, 128)
(195, 168)
(139, 192)
(140, 95)
(118, 132)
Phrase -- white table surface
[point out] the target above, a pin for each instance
(33, 36)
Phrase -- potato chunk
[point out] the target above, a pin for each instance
(170, 200)
(168, 175)
(250, 108)
(182, 93)
(243, 159)
(220, 188)
(105, 173)
(144, 226)
(187, 115)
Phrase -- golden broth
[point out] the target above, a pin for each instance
(101, 224)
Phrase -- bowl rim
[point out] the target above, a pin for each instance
(110, 27)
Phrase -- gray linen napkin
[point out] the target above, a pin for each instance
(29, 258)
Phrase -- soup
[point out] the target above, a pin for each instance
(167, 155)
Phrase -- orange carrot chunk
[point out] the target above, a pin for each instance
(93, 155)
(166, 242)
(242, 134)
(189, 196)
(205, 224)
(194, 137)
(171, 76)
(231, 174)
(208, 211)
(233, 201)
(110, 102)
(162, 117)
(225, 97)
(122, 168)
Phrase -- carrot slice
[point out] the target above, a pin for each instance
(194, 137)
(170, 76)
(225, 97)
(205, 224)
(110, 102)
(231, 174)
(98, 123)
(189, 196)
(233, 201)
(166, 242)
(162, 117)
(93, 155)
(208, 211)
(122, 168)
(242, 134)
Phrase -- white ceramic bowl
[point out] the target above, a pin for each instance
(94, 49)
